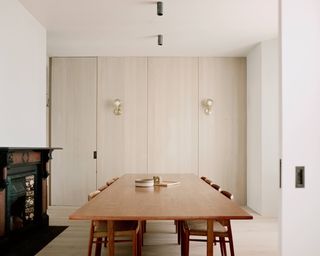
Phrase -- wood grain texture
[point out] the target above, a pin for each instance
(122, 140)
(192, 199)
(73, 119)
(222, 135)
(173, 115)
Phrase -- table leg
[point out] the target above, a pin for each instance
(210, 237)
(110, 237)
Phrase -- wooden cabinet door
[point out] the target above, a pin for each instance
(122, 139)
(173, 115)
(73, 127)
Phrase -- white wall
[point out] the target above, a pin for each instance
(300, 222)
(254, 129)
(270, 130)
(263, 128)
(22, 77)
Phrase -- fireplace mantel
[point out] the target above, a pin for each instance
(29, 165)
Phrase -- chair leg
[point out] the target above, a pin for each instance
(144, 226)
(139, 242)
(223, 246)
(134, 243)
(142, 230)
(183, 242)
(230, 239)
(187, 243)
(90, 240)
(98, 246)
(176, 224)
(179, 228)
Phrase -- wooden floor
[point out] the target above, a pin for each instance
(257, 237)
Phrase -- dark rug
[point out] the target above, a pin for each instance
(29, 244)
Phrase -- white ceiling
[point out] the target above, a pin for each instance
(129, 27)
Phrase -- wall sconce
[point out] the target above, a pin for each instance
(207, 105)
(117, 107)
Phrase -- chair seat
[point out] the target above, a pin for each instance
(101, 227)
(200, 226)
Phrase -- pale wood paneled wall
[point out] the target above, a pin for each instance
(73, 127)
(122, 139)
(173, 115)
(163, 127)
(222, 135)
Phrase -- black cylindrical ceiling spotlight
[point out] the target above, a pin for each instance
(160, 39)
(159, 8)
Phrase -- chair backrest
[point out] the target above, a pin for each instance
(93, 194)
(216, 187)
(103, 187)
(209, 181)
(227, 194)
(109, 182)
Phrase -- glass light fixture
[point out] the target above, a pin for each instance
(207, 106)
(117, 107)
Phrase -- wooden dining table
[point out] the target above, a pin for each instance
(191, 199)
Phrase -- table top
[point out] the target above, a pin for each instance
(191, 199)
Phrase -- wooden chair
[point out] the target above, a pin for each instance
(216, 187)
(222, 233)
(103, 187)
(210, 182)
(111, 181)
(99, 232)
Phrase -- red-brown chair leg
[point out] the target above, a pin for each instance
(90, 240)
(187, 243)
(98, 246)
(230, 239)
(223, 246)
(134, 244)
(179, 233)
(176, 224)
(182, 243)
(139, 242)
(144, 226)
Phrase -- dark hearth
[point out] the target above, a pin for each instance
(22, 205)
(23, 189)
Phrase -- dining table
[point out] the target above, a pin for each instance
(189, 199)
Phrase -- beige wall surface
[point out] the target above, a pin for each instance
(163, 127)
(222, 135)
(122, 139)
(173, 115)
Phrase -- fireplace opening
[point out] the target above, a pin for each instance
(22, 207)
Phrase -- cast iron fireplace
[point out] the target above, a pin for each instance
(23, 189)
(23, 206)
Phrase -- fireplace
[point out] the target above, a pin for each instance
(22, 200)
(23, 189)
